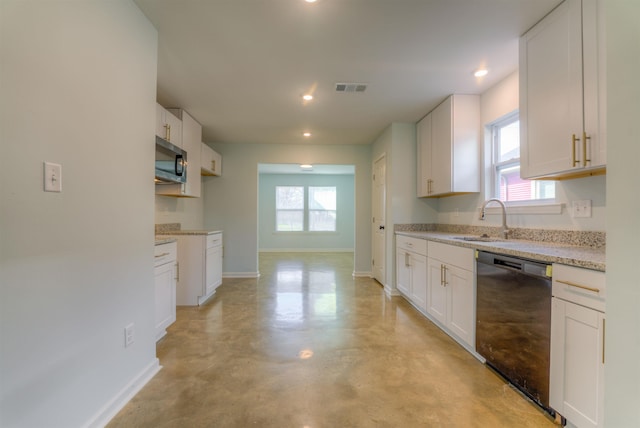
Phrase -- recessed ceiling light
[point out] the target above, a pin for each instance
(481, 72)
(310, 1)
(307, 97)
(307, 134)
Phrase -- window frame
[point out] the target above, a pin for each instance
(497, 165)
(306, 210)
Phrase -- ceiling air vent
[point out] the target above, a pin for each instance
(350, 87)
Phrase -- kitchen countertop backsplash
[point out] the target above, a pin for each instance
(167, 228)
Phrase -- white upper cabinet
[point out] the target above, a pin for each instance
(168, 126)
(191, 140)
(562, 93)
(210, 161)
(449, 148)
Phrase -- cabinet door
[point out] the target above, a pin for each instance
(403, 273)
(577, 363)
(191, 141)
(551, 93)
(210, 161)
(419, 280)
(594, 82)
(441, 134)
(460, 312)
(213, 269)
(162, 130)
(436, 291)
(168, 126)
(165, 297)
(423, 135)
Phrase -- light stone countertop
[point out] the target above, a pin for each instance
(585, 257)
(188, 232)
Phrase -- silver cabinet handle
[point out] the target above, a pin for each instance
(161, 255)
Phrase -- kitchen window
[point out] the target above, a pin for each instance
(306, 208)
(507, 184)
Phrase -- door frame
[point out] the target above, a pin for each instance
(375, 226)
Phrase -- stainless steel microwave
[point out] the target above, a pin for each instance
(171, 163)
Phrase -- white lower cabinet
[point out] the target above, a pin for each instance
(577, 345)
(451, 290)
(411, 269)
(439, 279)
(200, 258)
(165, 273)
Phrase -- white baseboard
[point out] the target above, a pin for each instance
(116, 404)
(305, 250)
(241, 274)
(362, 274)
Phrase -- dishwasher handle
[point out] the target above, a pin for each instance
(524, 266)
(508, 263)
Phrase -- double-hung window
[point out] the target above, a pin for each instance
(507, 184)
(306, 208)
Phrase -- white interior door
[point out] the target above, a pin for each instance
(379, 226)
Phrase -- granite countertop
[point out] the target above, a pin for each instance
(572, 255)
(164, 240)
(188, 232)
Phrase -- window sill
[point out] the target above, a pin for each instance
(525, 208)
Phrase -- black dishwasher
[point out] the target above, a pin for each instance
(513, 321)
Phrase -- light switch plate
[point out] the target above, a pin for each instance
(52, 177)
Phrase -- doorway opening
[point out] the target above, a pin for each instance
(306, 208)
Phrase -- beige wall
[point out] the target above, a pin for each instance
(622, 369)
(186, 211)
(78, 83)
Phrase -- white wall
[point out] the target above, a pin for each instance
(78, 83)
(398, 143)
(342, 239)
(186, 211)
(495, 103)
(231, 201)
(622, 369)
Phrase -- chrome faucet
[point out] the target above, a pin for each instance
(505, 229)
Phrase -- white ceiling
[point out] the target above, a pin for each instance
(240, 67)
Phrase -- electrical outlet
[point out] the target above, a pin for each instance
(581, 208)
(129, 335)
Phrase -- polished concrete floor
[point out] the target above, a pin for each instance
(309, 346)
